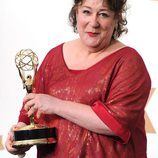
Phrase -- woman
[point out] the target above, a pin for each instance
(92, 89)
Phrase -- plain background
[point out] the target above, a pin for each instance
(42, 24)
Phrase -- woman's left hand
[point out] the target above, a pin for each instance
(40, 103)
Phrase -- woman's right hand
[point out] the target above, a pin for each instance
(10, 139)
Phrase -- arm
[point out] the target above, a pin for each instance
(78, 113)
(84, 116)
(123, 108)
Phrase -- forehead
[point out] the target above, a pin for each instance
(95, 4)
(103, 2)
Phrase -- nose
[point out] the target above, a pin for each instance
(94, 21)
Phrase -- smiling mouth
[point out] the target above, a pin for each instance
(92, 34)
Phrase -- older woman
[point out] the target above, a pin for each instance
(92, 89)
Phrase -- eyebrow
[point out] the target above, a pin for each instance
(103, 9)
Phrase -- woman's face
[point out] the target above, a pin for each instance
(95, 23)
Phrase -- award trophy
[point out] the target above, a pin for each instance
(34, 134)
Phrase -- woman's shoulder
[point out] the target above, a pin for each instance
(56, 48)
(124, 49)
(53, 53)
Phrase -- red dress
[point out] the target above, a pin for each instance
(116, 88)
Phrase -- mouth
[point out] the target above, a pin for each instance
(92, 34)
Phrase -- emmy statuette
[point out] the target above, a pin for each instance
(34, 134)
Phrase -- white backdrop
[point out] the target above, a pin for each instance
(41, 25)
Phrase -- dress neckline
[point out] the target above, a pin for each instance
(76, 71)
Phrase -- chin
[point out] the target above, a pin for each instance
(91, 42)
(92, 45)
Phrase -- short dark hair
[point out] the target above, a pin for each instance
(117, 6)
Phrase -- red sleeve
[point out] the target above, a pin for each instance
(101, 110)
(125, 100)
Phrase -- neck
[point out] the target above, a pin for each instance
(96, 50)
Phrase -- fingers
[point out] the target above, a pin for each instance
(29, 97)
(34, 103)
(10, 140)
(9, 147)
(31, 105)
(32, 110)
(29, 101)
(9, 143)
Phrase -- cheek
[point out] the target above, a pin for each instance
(108, 27)
(81, 22)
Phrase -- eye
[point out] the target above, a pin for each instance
(86, 12)
(103, 14)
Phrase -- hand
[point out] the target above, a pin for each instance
(10, 139)
(40, 103)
